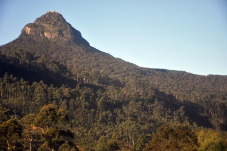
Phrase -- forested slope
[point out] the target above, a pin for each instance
(58, 92)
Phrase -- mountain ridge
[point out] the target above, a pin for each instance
(75, 57)
(103, 95)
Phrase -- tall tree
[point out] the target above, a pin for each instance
(179, 138)
(51, 116)
(10, 135)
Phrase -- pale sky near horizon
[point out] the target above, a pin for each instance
(185, 35)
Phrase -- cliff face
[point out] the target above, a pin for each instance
(53, 26)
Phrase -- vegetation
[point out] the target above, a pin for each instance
(61, 95)
(179, 138)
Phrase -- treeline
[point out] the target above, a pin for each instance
(98, 119)
(206, 94)
(55, 62)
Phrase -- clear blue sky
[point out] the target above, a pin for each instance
(187, 35)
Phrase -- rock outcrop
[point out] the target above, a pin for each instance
(53, 26)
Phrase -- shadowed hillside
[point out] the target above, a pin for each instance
(80, 97)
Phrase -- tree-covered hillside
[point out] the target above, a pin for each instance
(59, 93)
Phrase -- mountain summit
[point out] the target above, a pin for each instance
(53, 26)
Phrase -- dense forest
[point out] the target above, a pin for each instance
(59, 93)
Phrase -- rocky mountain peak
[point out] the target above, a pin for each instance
(52, 18)
(53, 26)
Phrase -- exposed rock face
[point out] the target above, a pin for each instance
(53, 26)
(27, 30)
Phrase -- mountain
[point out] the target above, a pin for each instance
(106, 98)
(53, 26)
